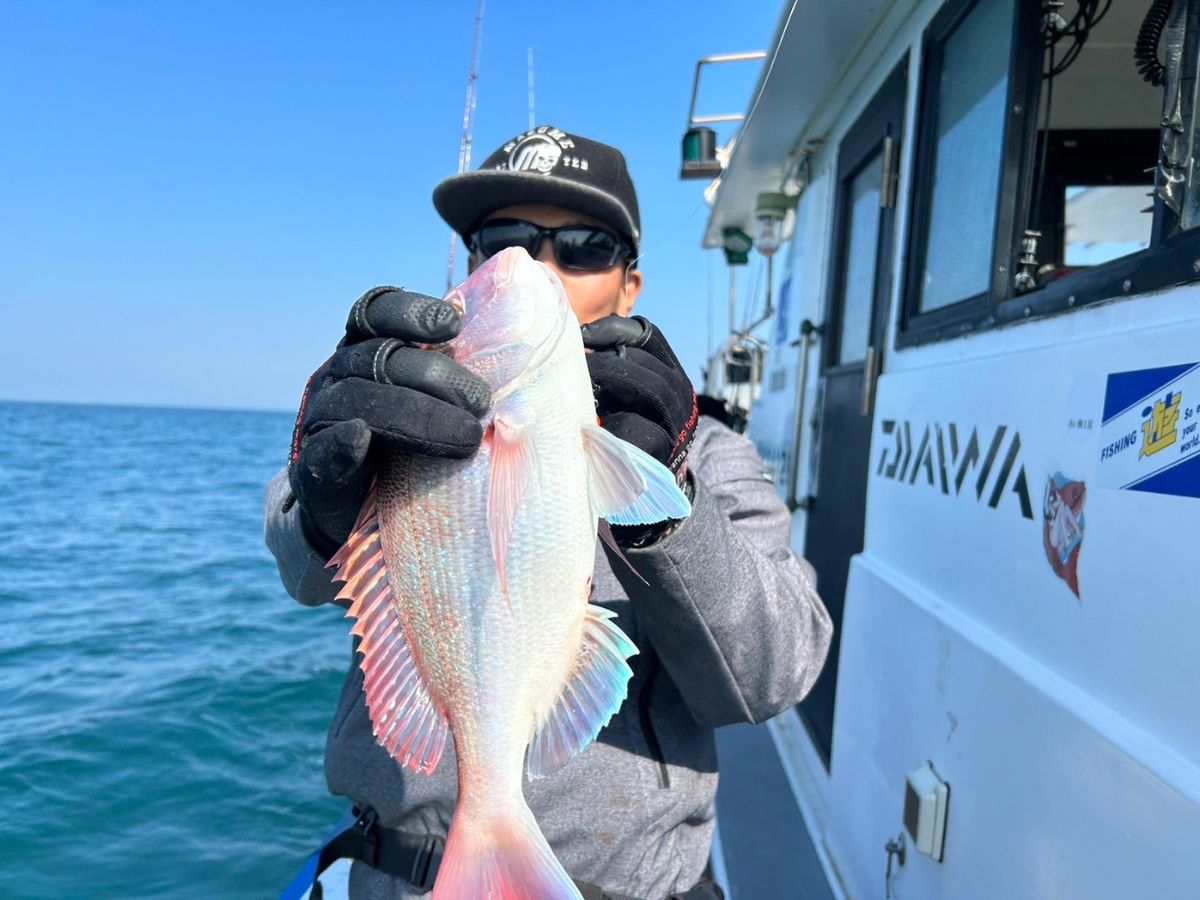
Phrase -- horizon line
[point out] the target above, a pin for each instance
(114, 404)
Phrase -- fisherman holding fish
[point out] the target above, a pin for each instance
(482, 646)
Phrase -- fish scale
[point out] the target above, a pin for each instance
(469, 582)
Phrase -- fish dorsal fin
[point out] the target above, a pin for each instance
(590, 697)
(513, 464)
(404, 718)
(629, 486)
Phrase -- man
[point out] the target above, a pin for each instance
(725, 616)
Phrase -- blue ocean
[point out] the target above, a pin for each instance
(163, 702)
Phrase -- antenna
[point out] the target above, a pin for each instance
(464, 147)
(532, 117)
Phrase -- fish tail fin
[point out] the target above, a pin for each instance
(501, 855)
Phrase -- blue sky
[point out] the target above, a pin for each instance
(194, 193)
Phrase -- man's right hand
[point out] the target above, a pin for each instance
(379, 391)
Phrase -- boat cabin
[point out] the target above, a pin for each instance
(977, 384)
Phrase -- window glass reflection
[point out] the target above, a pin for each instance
(972, 98)
(1104, 223)
(858, 260)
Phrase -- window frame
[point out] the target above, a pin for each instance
(855, 151)
(1172, 258)
(970, 312)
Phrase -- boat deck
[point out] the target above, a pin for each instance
(765, 848)
(762, 851)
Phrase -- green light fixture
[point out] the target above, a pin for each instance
(700, 154)
(736, 244)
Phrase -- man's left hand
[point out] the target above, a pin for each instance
(642, 393)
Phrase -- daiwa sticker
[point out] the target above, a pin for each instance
(1062, 531)
(1150, 431)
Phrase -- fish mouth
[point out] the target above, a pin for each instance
(456, 299)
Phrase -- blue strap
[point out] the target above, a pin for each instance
(304, 880)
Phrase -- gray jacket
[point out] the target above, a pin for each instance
(729, 628)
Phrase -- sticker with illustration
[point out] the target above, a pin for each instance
(1062, 530)
(1150, 431)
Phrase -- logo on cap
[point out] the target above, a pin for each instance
(535, 153)
(540, 150)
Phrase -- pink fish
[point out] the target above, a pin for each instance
(470, 580)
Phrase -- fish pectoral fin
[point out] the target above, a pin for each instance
(513, 464)
(592, 694)
(610, 541)
(628, 486)
(404, 719)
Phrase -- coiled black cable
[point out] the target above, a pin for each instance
(1145, 49)
(1073, 34)
(1078, 29)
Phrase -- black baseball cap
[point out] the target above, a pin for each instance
(544, 165)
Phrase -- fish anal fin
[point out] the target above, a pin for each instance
(592, 694)
(628, 486)
(398, 700)
(513, 465)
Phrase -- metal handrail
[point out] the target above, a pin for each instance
(712, 120)
(717, 60)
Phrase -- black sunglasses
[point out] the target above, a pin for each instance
(582, 248)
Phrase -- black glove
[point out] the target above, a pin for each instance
(642, 393)
(642, 396)
(378, 391)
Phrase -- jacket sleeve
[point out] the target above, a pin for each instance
(301, 568)
(732, 612)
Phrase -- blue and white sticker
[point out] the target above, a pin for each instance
(1150, 431)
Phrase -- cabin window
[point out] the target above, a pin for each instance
(862, 239)
(1102, 209)
(969, 131)
(968, 123)
(1094, 150)
(1049, 172)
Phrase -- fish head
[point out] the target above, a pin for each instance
(514, 312)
